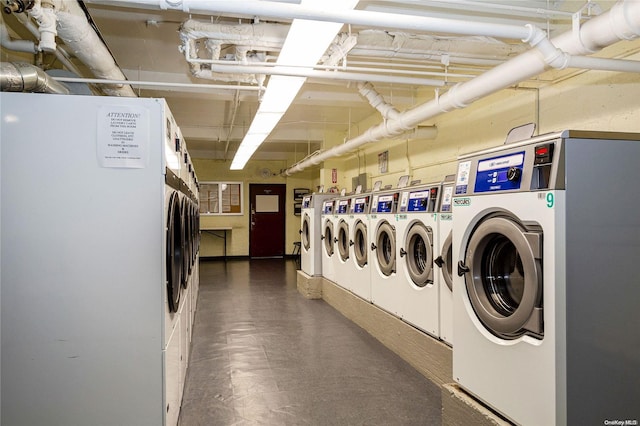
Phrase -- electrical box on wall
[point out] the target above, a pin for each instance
(361, 179)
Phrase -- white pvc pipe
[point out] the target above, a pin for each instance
(156, 83)
(622, 21)
(26, 46)
(357, 17)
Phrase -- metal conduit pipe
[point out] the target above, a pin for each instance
(24, 77)
(621, 22)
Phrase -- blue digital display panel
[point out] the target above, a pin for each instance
(492, 173)
(359, 205)
(418, 201)
(343, 207)
(327, 208)
(385, 204)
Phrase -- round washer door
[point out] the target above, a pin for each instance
(504, 276)
(385, 247)
(327, 237)
(174, 252)
(360, 243)
(306, 229)
(419, 254)
(447, 261)
(343, 240)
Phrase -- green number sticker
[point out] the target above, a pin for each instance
(550, 200)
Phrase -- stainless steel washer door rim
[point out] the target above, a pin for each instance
(419, 254)
(504, 280)
(447, 257)
(343, 240)
(360, 243)
(306, 229)
(328, 238)
(386, 248)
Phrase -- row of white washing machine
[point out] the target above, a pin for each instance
(535, 246)
(385, 247)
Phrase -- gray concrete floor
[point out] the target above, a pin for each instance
(262, 354)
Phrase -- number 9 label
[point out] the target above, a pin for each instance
(550, 200)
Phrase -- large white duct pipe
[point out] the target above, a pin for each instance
(621, 22)
(80, 37)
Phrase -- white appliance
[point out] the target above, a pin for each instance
(341, 241)
(310, 233)
(95, 313)
(546, 240)
(444, 260)
(358, 266)
(416, 250)
(328, 250)
(385, 281)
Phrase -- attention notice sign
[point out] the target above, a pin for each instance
(123, 136)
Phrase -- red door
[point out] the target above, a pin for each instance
(267, 220)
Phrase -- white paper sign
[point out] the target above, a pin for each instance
(123, 136)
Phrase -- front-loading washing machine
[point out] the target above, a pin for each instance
(328, 250)
(444, 260)
(385, 281)
(416, 250)
(358, 266)
(546, 241)
(310, 233)
(342, 234)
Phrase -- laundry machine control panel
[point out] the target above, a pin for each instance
(327, 207)
(342, 206)
(531, 165)
(421, 200)
(360, 205)
(306, 202)
(385, 203)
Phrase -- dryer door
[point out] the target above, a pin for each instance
(385, 247)
(327, 237)
(306, 229)
(419, 254)
(503, 276)
(174, 252)
(360, 243)
(343, 240)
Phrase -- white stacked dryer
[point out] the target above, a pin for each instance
(358, 266)
(310, 234)
(342, 237)
(93, 261)
(385, 280)
(328, 249)
(444, 260)
(417, 248)
(546, 241)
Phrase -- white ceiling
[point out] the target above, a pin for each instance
(144, 43)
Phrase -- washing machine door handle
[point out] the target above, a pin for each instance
(402, 252)
(351, 243)
(373, 246)
(439, 261)
(462, 268)
(322, 237)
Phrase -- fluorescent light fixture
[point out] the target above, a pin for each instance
(305, 44)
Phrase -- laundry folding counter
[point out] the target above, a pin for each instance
(220, 232)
